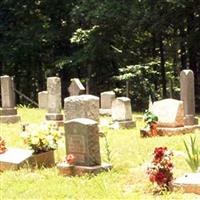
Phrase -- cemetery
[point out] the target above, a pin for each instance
(99, 100)
(66, 147)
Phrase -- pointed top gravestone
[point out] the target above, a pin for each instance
(76, 87)
(187, 96)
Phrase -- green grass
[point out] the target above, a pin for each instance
(127, 179)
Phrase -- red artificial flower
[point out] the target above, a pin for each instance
(70, 159)
(160, 177)
(159, 152)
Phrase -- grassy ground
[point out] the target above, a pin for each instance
(127, 179)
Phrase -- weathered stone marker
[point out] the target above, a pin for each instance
(43, 100)
(122, 113)
(190, 183)
(54, 99)
(8, 112)
(187, 96)
(82, 141)
(83, 106)
(170, 112)
(14, 158)
(76, 87)
(106, 102)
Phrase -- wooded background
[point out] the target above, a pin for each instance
(102, 42)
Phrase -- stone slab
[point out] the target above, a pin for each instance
(10, 119)
(54, 116)
(14, 158)
(190, 183)
(74, 170)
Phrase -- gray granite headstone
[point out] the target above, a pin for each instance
(8, 112)
(187, 96)
(54, 99)
(82, 140)
(82, 106)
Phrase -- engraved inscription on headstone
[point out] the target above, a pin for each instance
(82, 140)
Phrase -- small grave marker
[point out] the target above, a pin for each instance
(76, 87)
(14, 158)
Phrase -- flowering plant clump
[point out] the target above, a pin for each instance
(160, 169)
(42, 138)
(2, 145)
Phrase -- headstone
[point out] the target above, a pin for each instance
(187, 96)
(8, 112)
(83, 106)
(54, 99)
(82, 140)
(76, 87)
(43, 100)
(170, 112)
(106, 102)
(190, 183)
(122, 113)
(14, 158)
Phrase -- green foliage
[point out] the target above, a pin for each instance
(193, 154)
(149, 117)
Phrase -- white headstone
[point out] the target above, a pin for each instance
(170, 112)
(121, 109)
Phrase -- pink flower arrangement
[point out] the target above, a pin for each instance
(160, 169)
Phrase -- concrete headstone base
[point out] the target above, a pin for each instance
(9, 115)
(171, 131)
(190, 183)
(107, 112)
(10, 118)
(74, 170)
(124, 124)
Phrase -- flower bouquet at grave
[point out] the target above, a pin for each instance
(160, 170)
(41, 138)
(151, 122)
(3, 148)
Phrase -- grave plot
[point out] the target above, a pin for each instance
(170, 113)
(82, 148)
